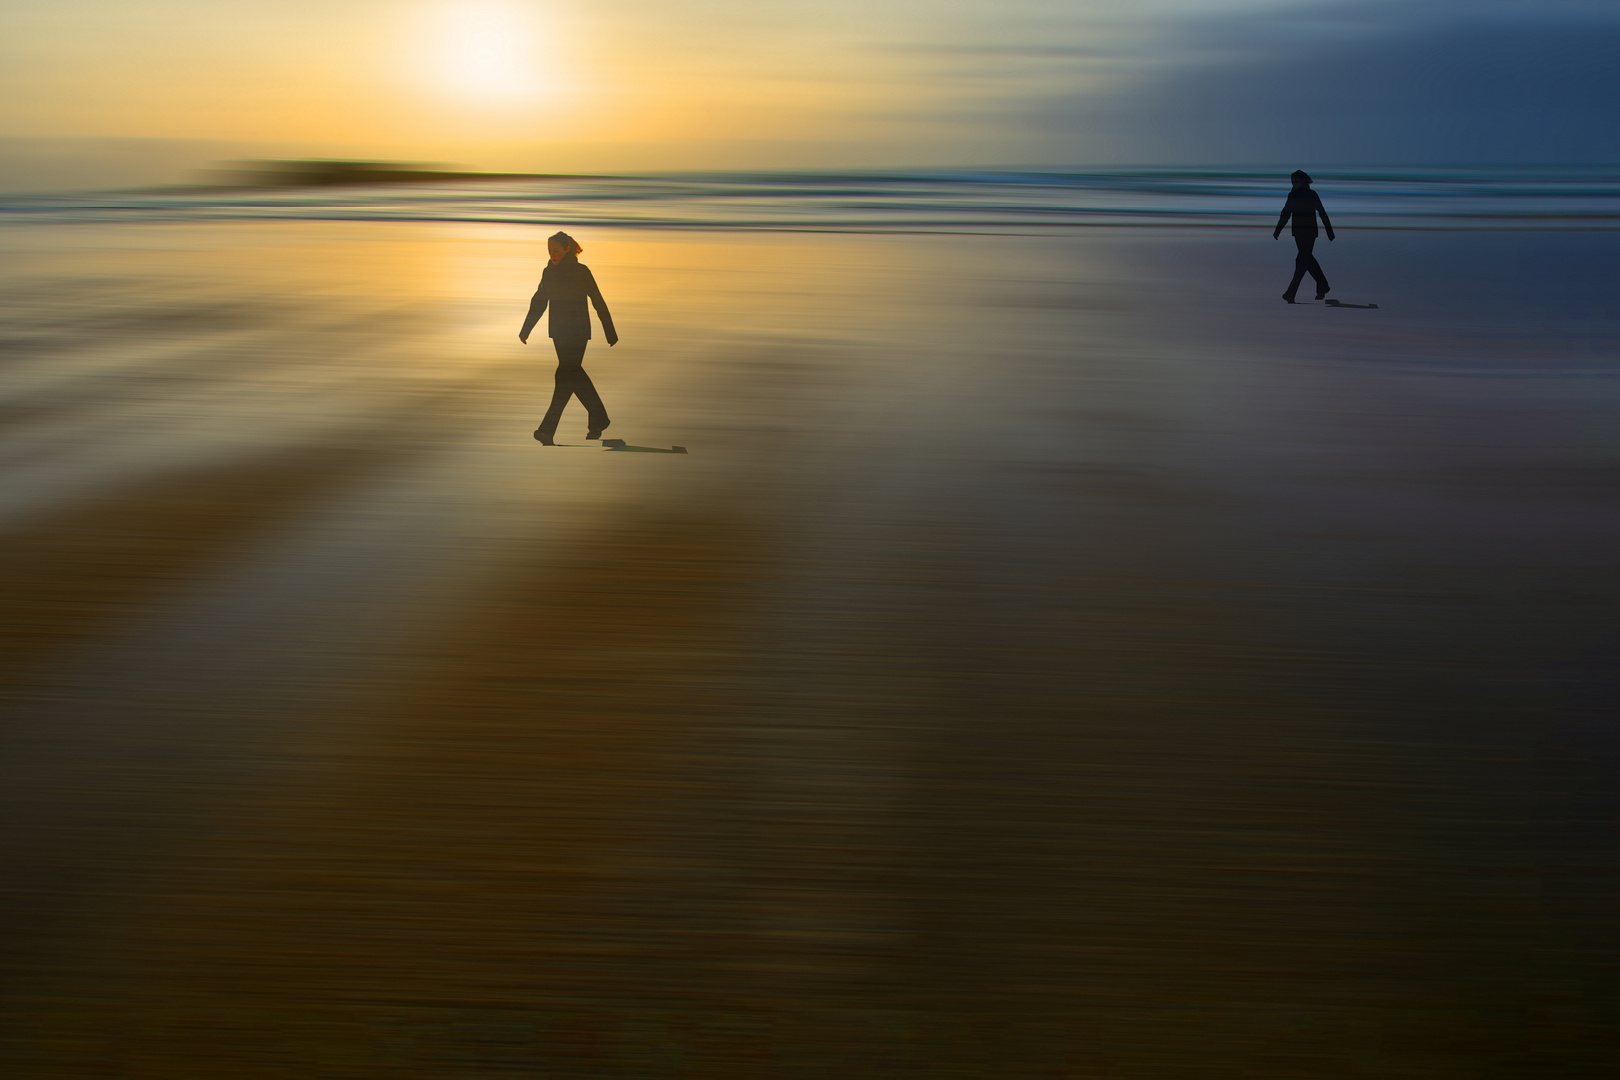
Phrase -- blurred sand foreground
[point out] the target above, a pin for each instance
(1054, 658)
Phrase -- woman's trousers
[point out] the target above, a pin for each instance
(572, 382)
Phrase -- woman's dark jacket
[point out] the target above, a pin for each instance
(1302, 206)
(565, 285)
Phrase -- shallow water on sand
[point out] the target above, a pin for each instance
(1054, 657)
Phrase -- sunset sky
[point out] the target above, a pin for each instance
(156, 86)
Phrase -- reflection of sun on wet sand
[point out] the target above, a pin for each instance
(1021, 676)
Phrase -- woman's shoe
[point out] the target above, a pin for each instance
(596, 432)
(545, 438)
(1289, 297)
(1323, 294)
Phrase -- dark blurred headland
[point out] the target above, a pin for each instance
(333, 173)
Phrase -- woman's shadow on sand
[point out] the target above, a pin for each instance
(619, 444)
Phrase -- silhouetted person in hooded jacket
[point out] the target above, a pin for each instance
(565, 284)
(1302, 206)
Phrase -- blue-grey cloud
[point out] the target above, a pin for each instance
(1014, 52)
(1435, 82)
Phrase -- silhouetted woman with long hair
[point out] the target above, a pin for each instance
(1302, 206)
(565, 285)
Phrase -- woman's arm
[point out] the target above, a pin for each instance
(1282, 219)
(601, 307)
(537, 308)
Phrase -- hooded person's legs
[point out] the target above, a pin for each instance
(1305, 263)
(572, 382)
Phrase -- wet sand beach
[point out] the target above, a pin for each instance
(1055, 657)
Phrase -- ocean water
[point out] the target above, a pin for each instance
(1543, 197)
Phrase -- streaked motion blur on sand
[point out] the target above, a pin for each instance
(1054, 658)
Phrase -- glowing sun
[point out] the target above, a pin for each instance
(492, 52)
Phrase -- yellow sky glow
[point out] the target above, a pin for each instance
(509, 84)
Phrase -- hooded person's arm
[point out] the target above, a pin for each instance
(601, 307)
(1320, 209)
(1282, 219)
(537, 308)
